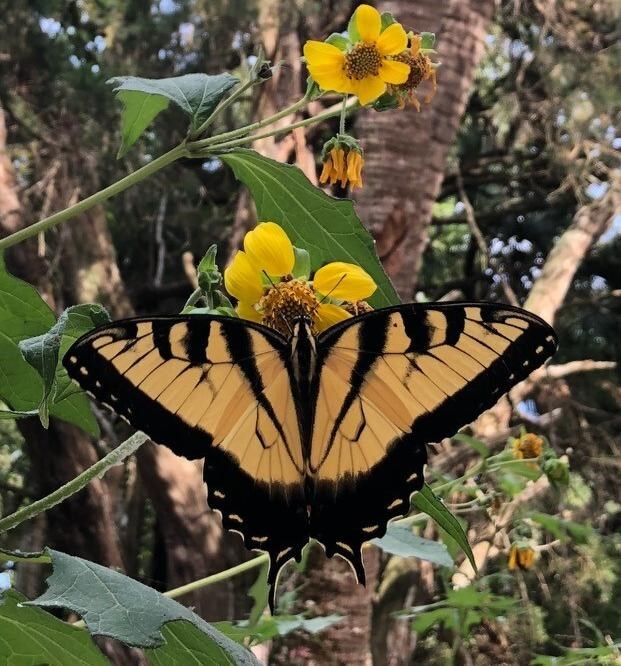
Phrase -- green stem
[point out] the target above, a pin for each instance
(343, 115)
(220, 576)
(94, 199)
(328, 113)
(233, 134)
(195, 296)
(222, 106)
(116, 456)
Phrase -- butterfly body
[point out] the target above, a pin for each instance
(311, 437)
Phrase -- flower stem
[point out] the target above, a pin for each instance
(116, 456)
(217, 577)
(343, 115)
(97, 198)
(233, 134)
(331, 112)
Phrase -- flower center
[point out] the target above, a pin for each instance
(286, 301)
(362, 61)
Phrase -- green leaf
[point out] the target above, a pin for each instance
(326, 227)
(564, 530)
(24, 314)
(426, 621)
(260, 593)
(43, 353)
(116, 606)
(197, 94)
(302, 266)
(400, 540)
(32, 637)
(476, 444)
(387, 19)
(139, 110)
(428, 40)
(426, 501)
(340, 41)
(352, 29)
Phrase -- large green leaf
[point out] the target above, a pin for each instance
(426, 501)
(32, 637)
(139, 110)
(119, 607)
(44, 351)
(400, 540)
(24, 314)
(197, 94)
(327, 227)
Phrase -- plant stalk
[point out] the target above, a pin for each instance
(217, 577)
(97, 198)
(124, 450)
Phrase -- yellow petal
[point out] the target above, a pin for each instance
(247, 311)
(393, 40)
(328, 314)
(343, 281)
(242, 280)
(369, 89)
(393, 71)
(354, 168)
(322, 53)
(269, 249)
(368, 22)
(326, 171)
(512, 558)
(330, 77)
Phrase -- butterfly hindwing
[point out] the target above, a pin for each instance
(393, 380)
(217, 388)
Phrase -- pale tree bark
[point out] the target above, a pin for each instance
(551, 287)
(405, 153)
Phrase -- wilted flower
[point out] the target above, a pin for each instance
(363, 63)
(421, 69)
(527, 446)
(522, 556)
(342, 161)
(263, 277)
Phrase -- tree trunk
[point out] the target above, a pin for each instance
(405, 152)
(278, 30)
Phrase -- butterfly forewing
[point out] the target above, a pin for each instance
(392, 381)
(213, 388)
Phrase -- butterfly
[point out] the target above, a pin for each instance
(320, 437)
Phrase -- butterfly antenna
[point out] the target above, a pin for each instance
(269, 279)
(323, 298)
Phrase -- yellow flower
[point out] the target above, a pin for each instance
(366, 67)
(521, 556)
(421, 69)
(269, 249)
(277, 299)
(527, 446)
(242, 280)
(342, 166)
(344, 281)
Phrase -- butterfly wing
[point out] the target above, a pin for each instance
(212, 387)
(391, 381)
